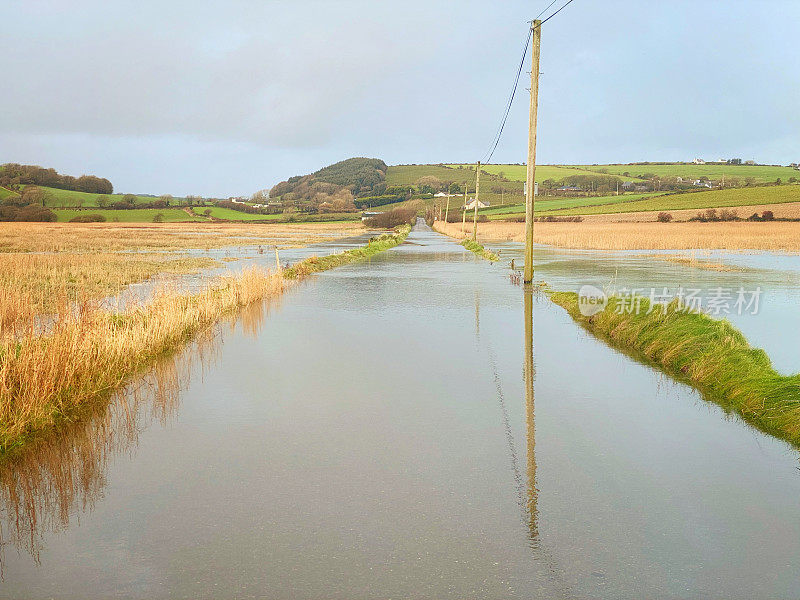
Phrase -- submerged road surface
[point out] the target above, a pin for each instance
(371, 435)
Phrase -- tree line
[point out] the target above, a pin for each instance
(14, 176)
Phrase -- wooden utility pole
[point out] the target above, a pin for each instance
(277, 259)
(477, 194)
(536, 27)
(464, 211)
(447, 208)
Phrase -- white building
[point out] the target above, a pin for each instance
(471, 205)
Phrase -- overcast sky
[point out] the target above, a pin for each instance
(225, 98)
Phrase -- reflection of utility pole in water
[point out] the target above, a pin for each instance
(530, 428)
(477, 315)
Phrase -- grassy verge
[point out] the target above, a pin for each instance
(91, 352)
(711, 355)
(476, 248)
(315, 264)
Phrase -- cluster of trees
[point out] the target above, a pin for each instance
(13, 176)
(373, 201)
(333, 188)
(15, 208)
(393, 218)
(129, 201)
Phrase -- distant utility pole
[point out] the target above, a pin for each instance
(536, 27)
(477, 193)
(464, 211)
(447, 208)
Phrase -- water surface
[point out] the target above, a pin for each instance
(371, 435)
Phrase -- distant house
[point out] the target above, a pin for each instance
(439, 195)
(471, 205)
(699, 161)
(628, 185)
(702, 183)
(749, 162)
(369, 214)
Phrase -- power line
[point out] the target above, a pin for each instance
(555, 13)
(496, 139)
(546, 9)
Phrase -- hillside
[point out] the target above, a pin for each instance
(714, 171)
(57, 198)
(333, 187)
(14, 175)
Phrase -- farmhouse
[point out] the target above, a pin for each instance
(471, 205)
(699, 161)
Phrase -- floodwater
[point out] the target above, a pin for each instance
(388, 430)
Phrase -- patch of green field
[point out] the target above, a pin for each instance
(69, 198)
(4, 193)
(544, 204)
(134, 215)
(762, 174)
(543, 172)
(410, 174)
(731, 197)
(229, 214)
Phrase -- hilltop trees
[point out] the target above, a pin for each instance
(13, 174)
(333, 188)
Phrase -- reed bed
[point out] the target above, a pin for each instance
(33, 284)
(90, 352)
(316, 264)
(781, 236)
(115, 237)
(710, 354)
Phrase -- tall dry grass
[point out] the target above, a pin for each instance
(641, 236)
(36, 284)
(63, 471)
(115, 237)
(90, 352)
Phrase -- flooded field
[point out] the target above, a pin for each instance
(387, 429)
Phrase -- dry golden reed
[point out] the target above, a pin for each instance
(114, 237)
(783, 236)
(36, 284)
(90, 352)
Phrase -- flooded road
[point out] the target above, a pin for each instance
(385, 431)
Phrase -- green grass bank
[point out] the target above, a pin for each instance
(710, 354)
(479, 250)
(316, 264)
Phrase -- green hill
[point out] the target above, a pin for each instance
(726, 198)
(714, 171)
(68, 198)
